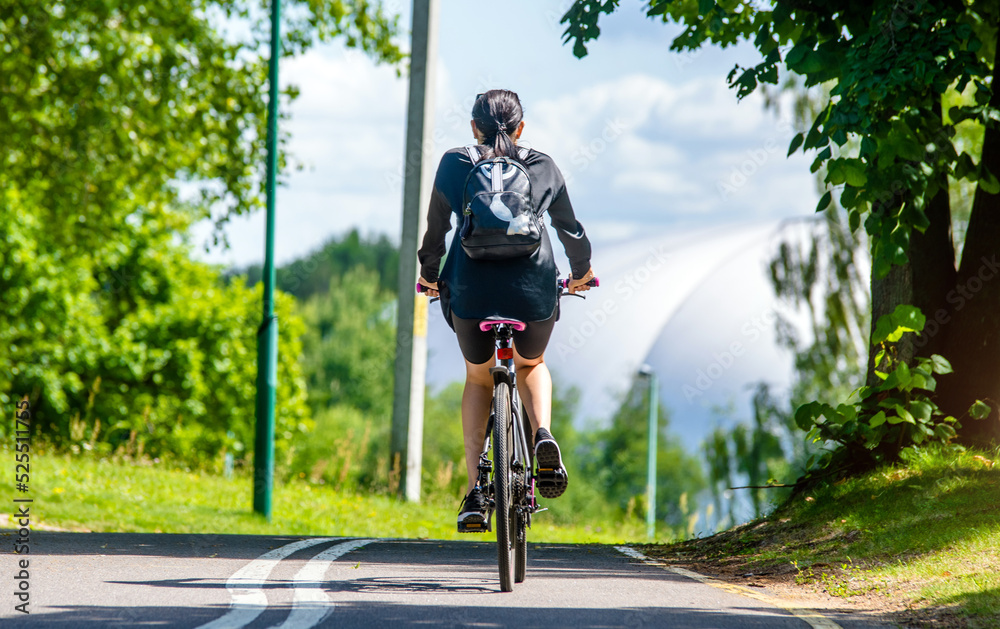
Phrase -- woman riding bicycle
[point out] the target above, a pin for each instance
(522, 288)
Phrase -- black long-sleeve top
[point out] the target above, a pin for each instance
(519, 288)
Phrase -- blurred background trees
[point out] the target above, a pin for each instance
(124, 123)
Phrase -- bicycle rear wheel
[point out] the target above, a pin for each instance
(502, 489)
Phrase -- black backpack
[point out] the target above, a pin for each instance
(499, 220)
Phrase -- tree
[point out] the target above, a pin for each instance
(151, 354)
(349, 344)
(122, 123)
(616, 461)
(311, 274)
(887, 146)
(763, 452)
(109, 107)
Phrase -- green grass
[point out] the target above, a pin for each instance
(81, 493)
(925, 535)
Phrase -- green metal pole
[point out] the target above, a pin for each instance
(267, 333)
(654, 413)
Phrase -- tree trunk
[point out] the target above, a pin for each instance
(888, 292)
(974, 334)
(934, 273)
(923, 282)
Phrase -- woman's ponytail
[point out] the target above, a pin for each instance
(497, 114)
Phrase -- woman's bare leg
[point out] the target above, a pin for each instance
(476, 400)
(534, 383)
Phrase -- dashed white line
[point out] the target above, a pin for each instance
(311, 604)
(248, 599)
(810, 616)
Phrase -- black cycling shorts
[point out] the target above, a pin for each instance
(478, 346)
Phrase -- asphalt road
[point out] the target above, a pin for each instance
(233, 581)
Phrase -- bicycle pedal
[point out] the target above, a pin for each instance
(474, 527)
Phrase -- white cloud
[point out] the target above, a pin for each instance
(635, 148)
(654, 181)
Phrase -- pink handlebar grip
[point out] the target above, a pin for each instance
(595, 282)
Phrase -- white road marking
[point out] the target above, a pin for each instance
(248, 600)
(810, 616)
(311, 603)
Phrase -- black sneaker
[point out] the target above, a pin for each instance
(472, 513)
(552, 477)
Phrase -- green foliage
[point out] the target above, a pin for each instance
(762, 453)
(108, 107)
(347, 359)
(123, 123)
(149, 353)
(890, 418)
(312, 274)
(444, 477)
(880, 135)
(613, 463)
(820, 276)
(349, 345)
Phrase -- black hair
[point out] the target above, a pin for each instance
(497, 114)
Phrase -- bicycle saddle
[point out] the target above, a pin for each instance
(487, 324)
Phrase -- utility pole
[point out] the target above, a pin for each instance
(267, 333)
(654, 415)
(411, 329)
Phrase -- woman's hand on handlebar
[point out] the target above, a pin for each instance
(580, 285)
(428, 288)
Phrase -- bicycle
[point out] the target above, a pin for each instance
(508, 481)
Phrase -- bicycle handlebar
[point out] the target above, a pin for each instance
(561, 283)
(594, 283)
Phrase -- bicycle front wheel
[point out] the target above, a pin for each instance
(503, 443)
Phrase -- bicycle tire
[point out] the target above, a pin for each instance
(521, 496)
(502, 489)
(520, 545)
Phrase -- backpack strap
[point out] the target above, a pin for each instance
(473, 152)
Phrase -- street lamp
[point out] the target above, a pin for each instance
(647, 372)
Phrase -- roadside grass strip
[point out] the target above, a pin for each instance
(810, 616)
(86, 494)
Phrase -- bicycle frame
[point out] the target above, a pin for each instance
(505, 371)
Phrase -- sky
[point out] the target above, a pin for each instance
(658, 155)
(645, 137)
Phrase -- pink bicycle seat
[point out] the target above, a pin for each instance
(486, 325)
